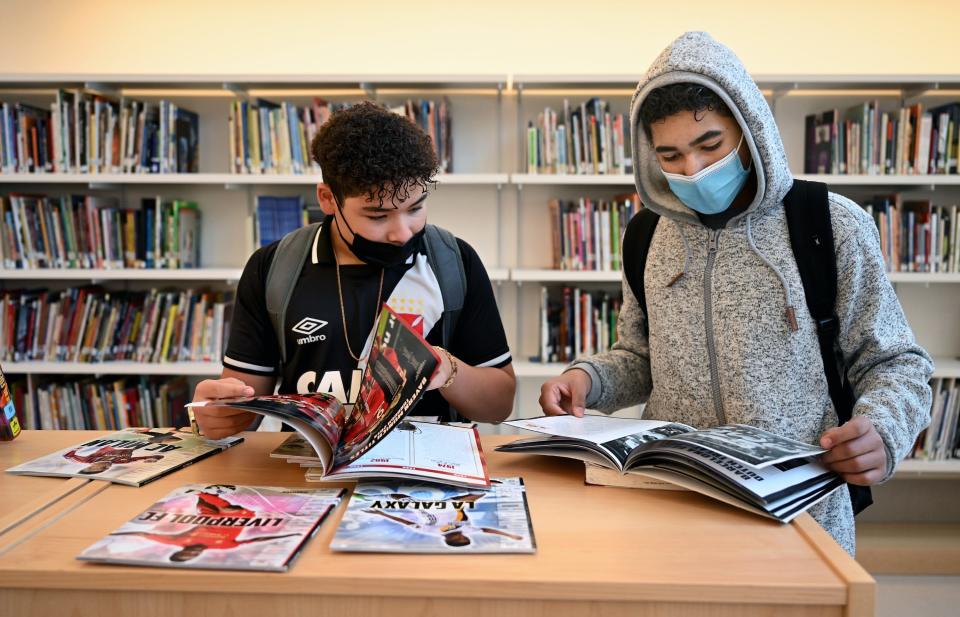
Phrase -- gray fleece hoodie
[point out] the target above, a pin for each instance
(720, 349)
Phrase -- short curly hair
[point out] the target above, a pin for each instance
(668, 100)
(367, 149)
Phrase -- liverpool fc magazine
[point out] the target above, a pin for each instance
(741, 465)
(221, 527)
(372, 439)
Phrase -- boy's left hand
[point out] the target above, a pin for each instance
(856, 451)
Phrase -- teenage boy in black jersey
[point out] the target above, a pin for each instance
(378, 169)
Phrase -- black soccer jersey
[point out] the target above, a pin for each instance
(317, 356)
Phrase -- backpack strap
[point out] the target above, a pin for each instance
(443, 255)
(636, 245)
(282, 277)
(807, 206)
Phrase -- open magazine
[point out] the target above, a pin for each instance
(427, 518)
(220, 527)
(398, 370)
(447, 453)
(133, 456)
(740, 465)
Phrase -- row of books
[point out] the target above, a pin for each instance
(941, 440)
(584, 139)
(578, 323)
(90, 324)
(276, 138)
(916, 235)
(83, 132)
(868, 140)
(275, 217)
(102, 404)
(85, 231)
(586, 233)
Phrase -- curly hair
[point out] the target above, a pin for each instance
(368, 150)
(668, 100)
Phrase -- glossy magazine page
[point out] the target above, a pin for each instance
(220, 527)
(409, 517)
(399, 368)
(133, 456)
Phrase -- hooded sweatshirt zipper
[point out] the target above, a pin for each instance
(713, 238)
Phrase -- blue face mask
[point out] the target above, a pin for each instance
(713, 188)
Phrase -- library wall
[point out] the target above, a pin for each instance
(379, 37)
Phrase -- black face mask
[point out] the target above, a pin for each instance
(382, 254)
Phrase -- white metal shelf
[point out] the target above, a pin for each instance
(573, 179)
(538, 369)
(565, 276)
(125, 274)
(241, 82)
(778, 82)
(883, 180)
(224, 179)
(114, 368)
(919, 467)
(615, 276)
(923, 277)
(944, 367)
(498, 275)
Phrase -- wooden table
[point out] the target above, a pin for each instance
(601, 551)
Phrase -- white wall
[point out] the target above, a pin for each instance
(298, 36)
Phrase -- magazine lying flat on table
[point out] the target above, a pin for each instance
(221, 527)
(133, 456)
(396, 376)
(450, 454)
(740, 465)
(427, 518)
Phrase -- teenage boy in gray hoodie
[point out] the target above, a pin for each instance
(728, 337)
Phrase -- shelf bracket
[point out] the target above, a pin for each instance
(237, 89)
(96, 86)
(369, 88)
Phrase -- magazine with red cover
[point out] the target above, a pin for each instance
(220, 526)
(399, 368)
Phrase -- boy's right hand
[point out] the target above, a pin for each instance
(220, 422)
(565, 394)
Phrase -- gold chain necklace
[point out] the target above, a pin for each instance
(343, 315)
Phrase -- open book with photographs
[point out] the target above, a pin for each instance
(133, 456)
(741, 465)
(221, 527)
(364, 441)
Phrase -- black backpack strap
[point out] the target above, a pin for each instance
(282, 277)
(443, 255)
(807, 206)
(636, 245)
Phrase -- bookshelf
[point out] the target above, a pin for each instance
(487, 199)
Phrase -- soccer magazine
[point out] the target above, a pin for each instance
(398, 370)
(428, 518)
(133, 456)
(221, 527)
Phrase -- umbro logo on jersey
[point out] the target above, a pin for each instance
(307, 326)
